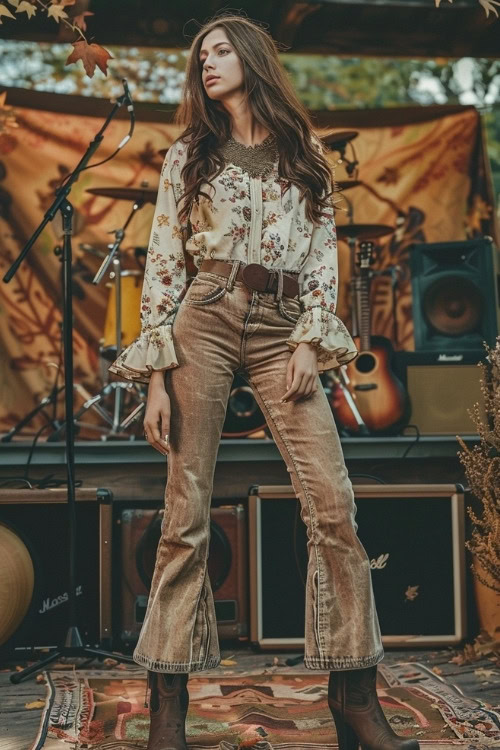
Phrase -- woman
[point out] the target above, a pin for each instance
(245, 199)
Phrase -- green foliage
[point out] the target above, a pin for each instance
(321, 81)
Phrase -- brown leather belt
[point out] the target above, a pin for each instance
(255, 276)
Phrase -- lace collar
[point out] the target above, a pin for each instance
(257, 160)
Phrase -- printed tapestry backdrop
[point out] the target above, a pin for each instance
(428, 179)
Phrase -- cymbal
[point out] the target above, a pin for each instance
(346, 184)
(144, 195)
(363, 231)
(342, 137)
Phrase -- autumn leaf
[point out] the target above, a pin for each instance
(79, 20)
(90, 55)
(485, 674)
(15, 3)
(4, 11)
(26, 7)
(411, 593)
(35, 704)
(56, 12)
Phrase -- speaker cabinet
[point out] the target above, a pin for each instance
(414, 538)
(34, 568)
(227, 568)
(455, 295)
(442, 389)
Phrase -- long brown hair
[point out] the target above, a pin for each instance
(274, 105)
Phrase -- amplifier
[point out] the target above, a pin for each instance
(227, 568)
(442, 387)
(414, 538)
(34, 568)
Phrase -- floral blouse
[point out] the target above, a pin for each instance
(250, 219)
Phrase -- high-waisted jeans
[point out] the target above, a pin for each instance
(222, 327)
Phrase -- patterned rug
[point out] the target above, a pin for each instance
(104, 710)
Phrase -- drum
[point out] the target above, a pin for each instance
(131, 291)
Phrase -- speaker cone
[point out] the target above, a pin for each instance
(453, 305)
(219, 555)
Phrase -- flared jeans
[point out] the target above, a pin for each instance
(223, 327)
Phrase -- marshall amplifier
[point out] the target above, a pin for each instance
(443, 387)
(34, 568)
(414, 538)
(227, 568)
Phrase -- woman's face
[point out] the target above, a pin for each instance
(219, 58)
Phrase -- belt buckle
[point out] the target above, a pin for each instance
(256, 276)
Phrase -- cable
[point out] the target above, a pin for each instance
(370, 476)
(33, 445)
(9, 480)
(130, 108)
(417, 438)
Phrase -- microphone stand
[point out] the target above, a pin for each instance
(73, 644)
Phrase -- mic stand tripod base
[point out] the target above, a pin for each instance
(71, 651)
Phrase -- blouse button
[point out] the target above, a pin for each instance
(257, 210)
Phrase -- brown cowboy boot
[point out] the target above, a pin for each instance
(168, 706)
(358, 716)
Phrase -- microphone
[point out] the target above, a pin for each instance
(130, 108)
(128, 97)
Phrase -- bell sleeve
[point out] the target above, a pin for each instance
(164, 281)
(317, 279)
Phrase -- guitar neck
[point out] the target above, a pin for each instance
(364, 306)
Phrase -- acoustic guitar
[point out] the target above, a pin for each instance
(380, 398)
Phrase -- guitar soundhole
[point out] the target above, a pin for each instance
(365, 363)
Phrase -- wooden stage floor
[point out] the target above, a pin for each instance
(18, 725)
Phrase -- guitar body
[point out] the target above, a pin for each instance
(379, 395)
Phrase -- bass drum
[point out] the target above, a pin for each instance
(131, 292)
(243, 415)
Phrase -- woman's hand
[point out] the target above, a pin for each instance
(302, 372)
(157, 417)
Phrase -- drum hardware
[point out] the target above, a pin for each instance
(114, 328)
(54, 424)
(339, 142)
(93, 402)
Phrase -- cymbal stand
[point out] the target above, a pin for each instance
(116, 426)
